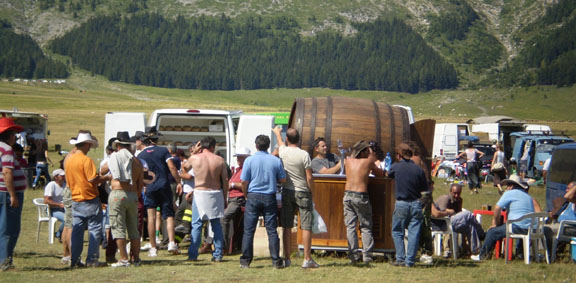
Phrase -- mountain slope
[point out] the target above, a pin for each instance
(490, 41)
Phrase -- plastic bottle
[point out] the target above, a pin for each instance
(387, 162)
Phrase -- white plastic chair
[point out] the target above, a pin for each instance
(44, 216)
(437, 237)
(535, 233)
(561, 236)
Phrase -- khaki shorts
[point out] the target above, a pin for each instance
(291, 200)
(67, 201)
(123, 209)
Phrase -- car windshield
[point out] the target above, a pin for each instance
(549, 145)
(545, 148)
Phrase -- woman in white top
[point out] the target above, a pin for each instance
(472, 155)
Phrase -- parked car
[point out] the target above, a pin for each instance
(562, 171)
(539, 148)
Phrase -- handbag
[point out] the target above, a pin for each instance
(318, 224)
(498, 166)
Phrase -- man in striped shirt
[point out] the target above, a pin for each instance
(12, 186)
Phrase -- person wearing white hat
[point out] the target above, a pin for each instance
(236, 198)
(517, 203)
(12, 186)
(83, 179)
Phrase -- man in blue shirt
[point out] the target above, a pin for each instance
(158, 193)
(410, 181)
(517, 203)
(260, 174)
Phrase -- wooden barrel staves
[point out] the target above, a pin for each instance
(349, 120)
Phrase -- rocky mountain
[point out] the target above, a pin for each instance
(478, 37)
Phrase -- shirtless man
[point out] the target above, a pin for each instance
(126, 185)
(210, 191)
(357, 207)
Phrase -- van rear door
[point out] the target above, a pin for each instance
(562, 171)
(122, 121)
(250, 126)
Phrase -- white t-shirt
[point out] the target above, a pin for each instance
(546, 165)
(295, 161)
(188, 184)
(54, 191)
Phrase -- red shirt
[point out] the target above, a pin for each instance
(237, 190)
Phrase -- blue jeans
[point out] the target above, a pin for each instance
(58, 213)
(86, 215)
(41, 169)
(256, 205)
(10, 223)
(196, 235)
(407, 215)
(495, 234)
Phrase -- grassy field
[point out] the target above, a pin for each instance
(83, 101)
(40, 261)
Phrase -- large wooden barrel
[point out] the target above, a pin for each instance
(349, 120)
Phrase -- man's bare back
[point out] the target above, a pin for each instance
(358, 170)
(209, 171)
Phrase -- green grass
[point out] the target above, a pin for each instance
(35, 262)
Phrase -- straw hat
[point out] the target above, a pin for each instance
(516, 180)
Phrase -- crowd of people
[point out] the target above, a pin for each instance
(201, 196)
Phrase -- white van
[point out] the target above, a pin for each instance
(446, 137)
(185, 127)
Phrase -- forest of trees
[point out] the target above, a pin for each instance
(549, 58)
(253, 53)
(21, 57)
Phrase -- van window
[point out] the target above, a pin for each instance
(562, 166)
(450, 140)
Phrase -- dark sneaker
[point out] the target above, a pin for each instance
(216, 259)
(243, 265)
(398, 263)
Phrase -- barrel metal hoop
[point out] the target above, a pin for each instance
(392, 128)
(405, 124)
(300, 116)
(312, 124)
(328, 130)
(378, 123)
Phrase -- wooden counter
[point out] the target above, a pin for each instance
(328, 196)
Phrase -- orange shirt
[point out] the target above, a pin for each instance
(79, 170)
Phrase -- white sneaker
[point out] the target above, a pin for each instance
(65, 260)
(153, 252)
(173, 248)
(426, 259)
(146, 247)
(310, 264)
(446, 254)
(121, 263)
(475, 257)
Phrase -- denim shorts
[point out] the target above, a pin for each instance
(292, 200)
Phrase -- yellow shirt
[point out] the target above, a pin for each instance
(79, 170)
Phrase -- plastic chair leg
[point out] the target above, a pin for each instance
(51, 225)
(526, 245)
(38, 232)
(454, 245)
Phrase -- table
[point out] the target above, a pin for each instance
(497, 250)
